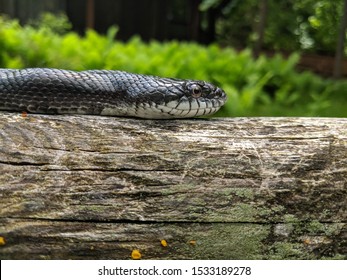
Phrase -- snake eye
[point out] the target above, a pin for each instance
(196, 91)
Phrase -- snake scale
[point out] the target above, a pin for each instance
(106, 92)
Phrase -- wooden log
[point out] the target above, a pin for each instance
(89, 187)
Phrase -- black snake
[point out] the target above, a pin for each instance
(106, 92)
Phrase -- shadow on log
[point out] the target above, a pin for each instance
(88, 187)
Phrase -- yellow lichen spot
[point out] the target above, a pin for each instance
(192, 242)
(163, 243)
(135, 255)
(2, 241)
(307, 242)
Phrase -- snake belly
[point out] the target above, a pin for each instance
(106, 92)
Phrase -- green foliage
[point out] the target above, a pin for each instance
(309, 25)
(318, 24)
(57, 23)
(264, 86)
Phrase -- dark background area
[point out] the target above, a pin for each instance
(184, 20)
(150, 19)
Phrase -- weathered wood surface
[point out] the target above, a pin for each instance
(86, 187)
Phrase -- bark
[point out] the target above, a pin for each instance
(260, 27)
(90, 14)
(89, 187)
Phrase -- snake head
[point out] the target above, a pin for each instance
(184, 99)
(155, 97)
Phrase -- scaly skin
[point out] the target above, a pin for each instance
(106, 92)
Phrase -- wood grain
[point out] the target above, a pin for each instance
(89, 187)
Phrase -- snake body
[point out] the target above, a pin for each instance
(106, 92)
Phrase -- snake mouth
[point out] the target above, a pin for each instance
(189, 107)
(184, 107)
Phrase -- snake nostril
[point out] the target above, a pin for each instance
(219, 92)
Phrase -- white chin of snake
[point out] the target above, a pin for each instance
(167, 111)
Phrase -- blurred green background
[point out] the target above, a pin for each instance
(254, 50)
